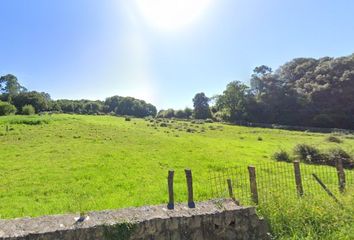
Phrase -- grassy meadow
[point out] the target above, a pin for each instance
(71, 163)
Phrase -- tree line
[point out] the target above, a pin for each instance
(302, 92)
(15, 98)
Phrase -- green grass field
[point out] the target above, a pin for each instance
(72, 163)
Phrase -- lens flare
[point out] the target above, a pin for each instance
(172, 15)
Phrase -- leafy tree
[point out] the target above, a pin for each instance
(129, 106)
(169, 113)
(7, 109)
(67, 106)
(40, 101)
(180, 114)
(9, 87)
(93, 107)
(201, 106)
(188, 112)
(55, 106)
(235, 101)
(78, 106)
(307, 91)
(258, 75)
(160, 113)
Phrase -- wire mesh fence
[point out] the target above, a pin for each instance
(276, 179)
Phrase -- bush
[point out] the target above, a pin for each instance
(28, 110)
(35, 121)
(7, 109)
(209, 120)
(338, 153)
(334, 139)
(281, 156)
(308, 154)
(260, 138)
(163, 124)
(190, 130)
(127, 119)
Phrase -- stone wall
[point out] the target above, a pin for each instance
(217, 219)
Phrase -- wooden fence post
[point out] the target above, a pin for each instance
(341, 175)
(189, 179)
(231, 193)
(253, 183)
(170, 204)
(298, 181)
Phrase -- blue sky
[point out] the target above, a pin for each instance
(162, 51)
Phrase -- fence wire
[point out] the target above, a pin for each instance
(275, 179)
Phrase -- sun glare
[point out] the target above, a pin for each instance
(172, 15)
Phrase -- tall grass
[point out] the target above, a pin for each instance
(310, 217)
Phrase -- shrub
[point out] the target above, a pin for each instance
(35, 121)
(334, 139)
(338, 153)
(307, 153)
(128, 119)
(7, 109)
(281, 156)
(190, 130)
(260, 139)
(163, 124)
(28, 110)
(209, 120)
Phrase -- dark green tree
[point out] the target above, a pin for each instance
(9, 87)
(201, 106)
(180, 114)
(129, 106)
(39, 101)
(235, 102)
(188, 112)
(257, 78)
